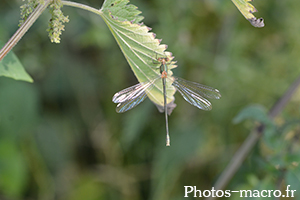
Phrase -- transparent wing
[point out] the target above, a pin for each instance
(130, 93)
(194, 93)
(131, 97)
(202, 90)
(131, 103)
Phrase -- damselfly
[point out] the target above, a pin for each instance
(192, 92)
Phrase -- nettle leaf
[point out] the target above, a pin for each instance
(138, 45)
(11, 67)
(121, 10)
(247, 9)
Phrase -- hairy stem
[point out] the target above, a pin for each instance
(32, 18)
(23, 29)
(84, 7)
(251, 140)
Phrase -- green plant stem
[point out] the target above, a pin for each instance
(84, 7)
(32, 18)
(251, 140)
(23, 29)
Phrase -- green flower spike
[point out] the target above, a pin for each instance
(27, 9)
(56, 22)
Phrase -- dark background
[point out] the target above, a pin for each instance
(64, 140)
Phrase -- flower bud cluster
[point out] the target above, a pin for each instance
(56, 26)
(27, 9)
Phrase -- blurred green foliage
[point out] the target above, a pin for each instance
(62, 139)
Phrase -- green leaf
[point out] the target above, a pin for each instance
(11, 67)
(120, 9)
(138, 45)
(247, 9)
(258, 113)
(255, 112)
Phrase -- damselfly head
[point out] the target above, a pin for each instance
(163, 60)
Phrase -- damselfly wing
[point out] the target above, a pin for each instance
(192, 92)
